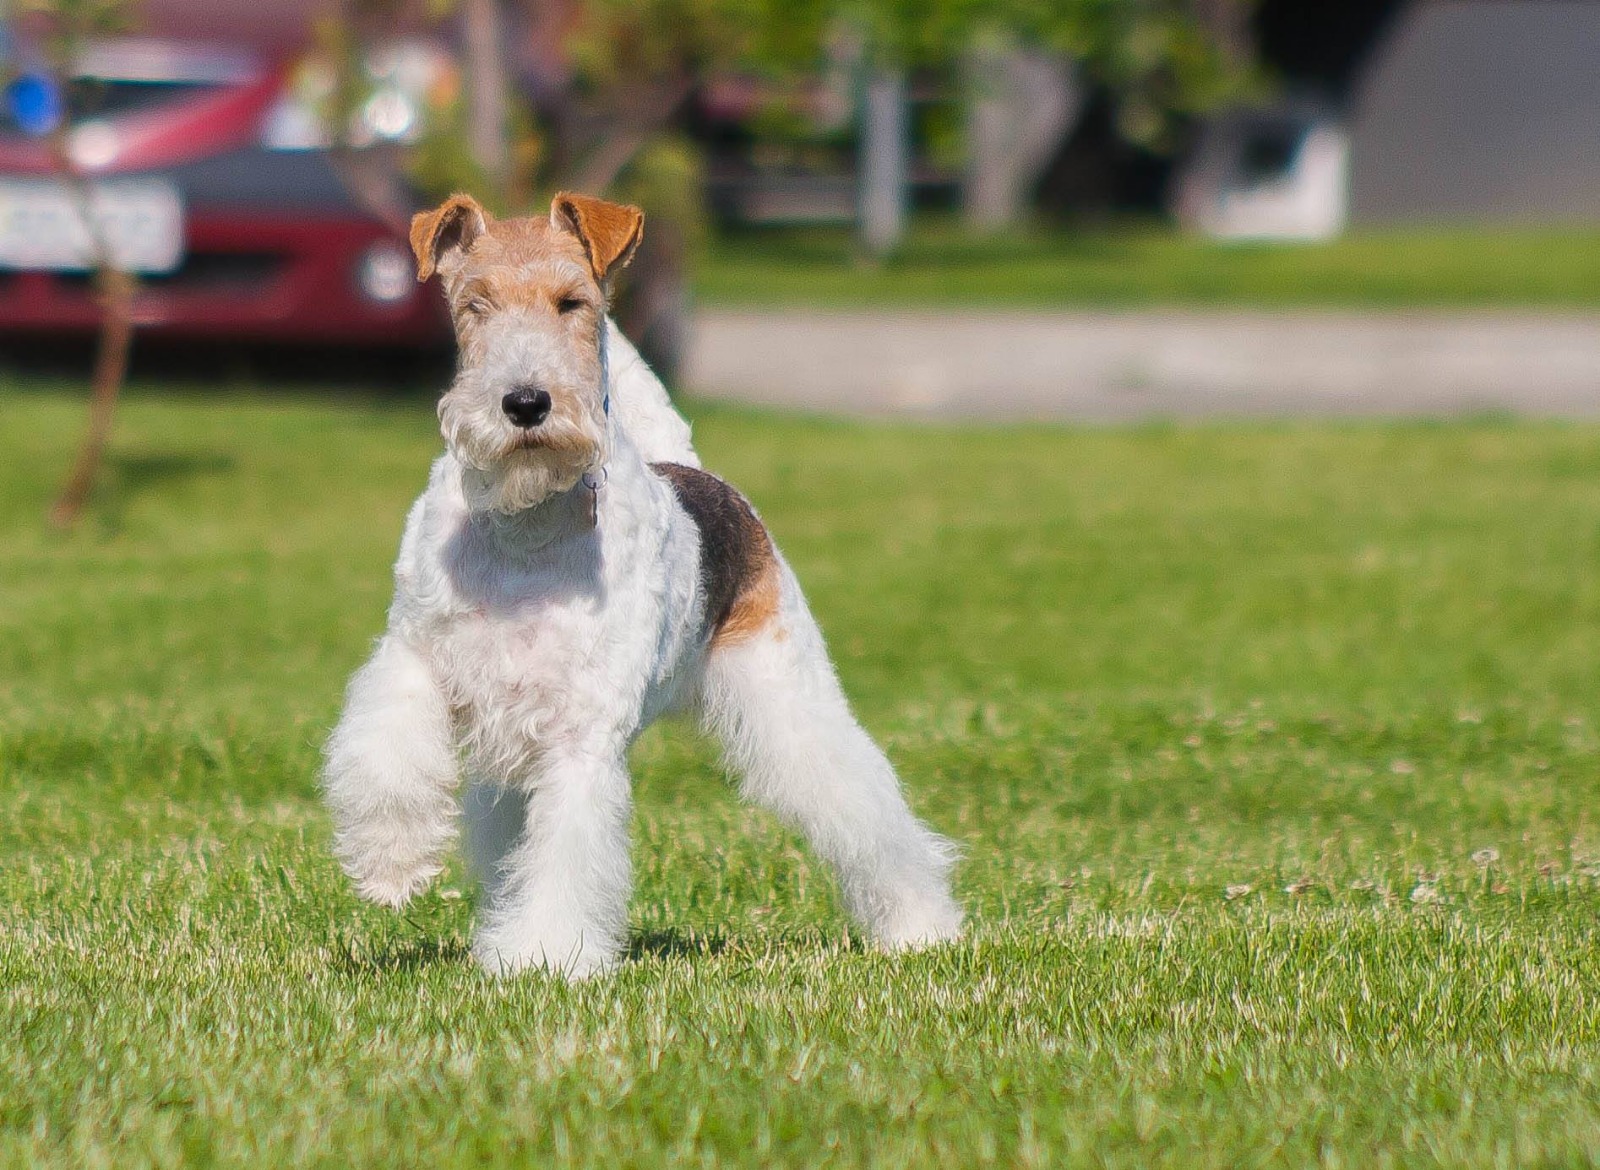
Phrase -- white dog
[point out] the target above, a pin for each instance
(568, 576)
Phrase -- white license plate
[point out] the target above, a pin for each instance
(45, 224)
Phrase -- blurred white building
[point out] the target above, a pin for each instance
(1281, 174)
(1463, 111)
(1483, 111)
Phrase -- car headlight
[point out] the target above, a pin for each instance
(385, 274)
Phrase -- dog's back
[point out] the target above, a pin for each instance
(738, 569)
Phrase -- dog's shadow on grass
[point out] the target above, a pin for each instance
(415, 955)
(126, 477)
(673, 943)
(352, 958)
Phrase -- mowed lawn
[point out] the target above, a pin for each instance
(1274, 750)
(1128, 265)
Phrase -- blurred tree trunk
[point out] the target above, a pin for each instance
(653, 304)
(1227, 22)
(60, 28)
(885, 162)
(489, 121)
(115, 290)
(641, 119)
(653, 308)
(1020, 105)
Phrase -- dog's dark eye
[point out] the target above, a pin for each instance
(480, 306)
(569, 304)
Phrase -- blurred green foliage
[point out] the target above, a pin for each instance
(665, 177)
(1155, 57)
(633, 62)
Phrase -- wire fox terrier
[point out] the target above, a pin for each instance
(569, 575)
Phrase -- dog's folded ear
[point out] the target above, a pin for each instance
(609, 232)
(453, 225)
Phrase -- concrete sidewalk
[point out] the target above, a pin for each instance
(1132, 365)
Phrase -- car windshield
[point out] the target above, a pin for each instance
(99, 97)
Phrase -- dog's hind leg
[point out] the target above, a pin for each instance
(494, 816)
(773, 699)
(389, 776)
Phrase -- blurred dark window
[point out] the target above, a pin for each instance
(1269, 153)
(94, 97)
(1320, 44)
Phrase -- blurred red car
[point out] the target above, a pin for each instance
(203, 183)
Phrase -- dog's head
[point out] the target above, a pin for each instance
(525, 415)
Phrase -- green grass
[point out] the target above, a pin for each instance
(1220, 715)
(1133, 266)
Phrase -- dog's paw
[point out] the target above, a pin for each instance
(574, 962)
(391, 886)
(389, 869)
(919, 922)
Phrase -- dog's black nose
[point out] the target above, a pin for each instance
(526, 406)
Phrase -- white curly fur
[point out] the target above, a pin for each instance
(531, 640)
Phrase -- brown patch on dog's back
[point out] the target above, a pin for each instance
(738, 567)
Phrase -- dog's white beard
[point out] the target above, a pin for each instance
(522, 482)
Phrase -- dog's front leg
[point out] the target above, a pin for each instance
(562, 897)
(390, 774)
